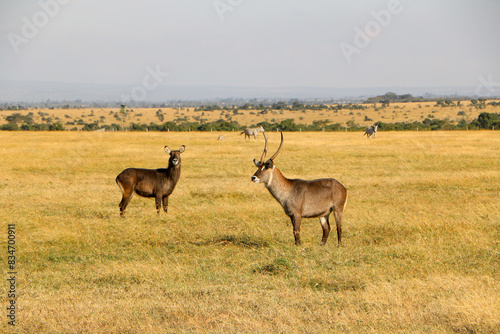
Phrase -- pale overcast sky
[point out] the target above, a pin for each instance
(253, 43)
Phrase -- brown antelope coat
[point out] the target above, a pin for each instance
(157, 183)
(301, 198)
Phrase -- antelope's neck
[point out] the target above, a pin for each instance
(175, 171)
(278, 185)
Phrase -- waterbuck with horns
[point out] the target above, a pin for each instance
(157, 183)
(301, 198)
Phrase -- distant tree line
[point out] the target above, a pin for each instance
(282, 106)
(485, 120)
(390, 97)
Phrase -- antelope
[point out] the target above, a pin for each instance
(252, 132)
(371, 131)
(157, 183)
(303, 198)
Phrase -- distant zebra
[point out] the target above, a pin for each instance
(252, 132)
(372, 131)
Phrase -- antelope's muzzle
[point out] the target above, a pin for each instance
(255, 179)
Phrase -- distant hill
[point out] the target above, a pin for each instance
(40, 91)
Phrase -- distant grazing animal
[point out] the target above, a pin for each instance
(157, 183)
(371, 131)
(221, 137)
(301, 198)
(252, 132)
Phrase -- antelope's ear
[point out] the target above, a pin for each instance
(257, 163)
(167, 149)
(269, 164)
(182, 148)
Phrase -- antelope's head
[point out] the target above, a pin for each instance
(175, 156)
(265, 168)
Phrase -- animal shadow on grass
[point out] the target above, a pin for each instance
(244, 241)
(280, 266)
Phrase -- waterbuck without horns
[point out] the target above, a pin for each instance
(252, 132)
(301, 198)
(157, 183)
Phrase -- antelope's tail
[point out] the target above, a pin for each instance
(345, 202)
(119, 184)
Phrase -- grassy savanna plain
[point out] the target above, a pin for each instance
(421, 236)
(396, 112)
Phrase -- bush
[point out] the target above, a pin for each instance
(10, 127)
(90, 127)
(487, 120)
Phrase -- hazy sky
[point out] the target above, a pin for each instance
(256, 43)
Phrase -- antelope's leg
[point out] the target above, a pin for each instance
(338, 221)
(126, 197)
(158, 204)
(165, 203)
(296, 220)
(325, 224)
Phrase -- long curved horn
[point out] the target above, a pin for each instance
(265, 150)
(279, 148)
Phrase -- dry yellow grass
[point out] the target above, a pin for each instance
(397, 112)
(421, 253)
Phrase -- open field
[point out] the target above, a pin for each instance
(421, 236)
(396, 112)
